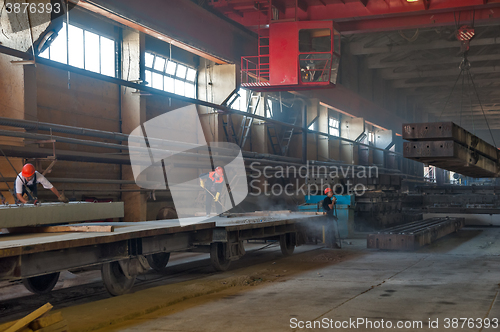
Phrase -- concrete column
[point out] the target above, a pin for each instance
(215, 84)
(350, 128)
(323, 153)
(349, 70)
(312, 139)
(133, 111)
(18, 98)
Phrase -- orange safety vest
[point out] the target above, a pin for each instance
(211, 175)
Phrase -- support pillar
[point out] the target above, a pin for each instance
(19, 101)
(350, 128)
(133, 113)
(323, 153)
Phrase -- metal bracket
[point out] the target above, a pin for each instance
(235, 250)
(134, 266)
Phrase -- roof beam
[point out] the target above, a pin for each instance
(389, 74)
(422, 19)
(185, 25)
(279, 5)
(403, 83)
(302, 5)
(446, 90)
(376, 62)
(357, 48)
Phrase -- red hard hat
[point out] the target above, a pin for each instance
(327, 190)
(28, 170)
(219, 170)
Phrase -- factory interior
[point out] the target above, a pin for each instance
(249, 165)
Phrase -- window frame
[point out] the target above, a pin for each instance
(171, 76)
(330, 117)
(67, 43)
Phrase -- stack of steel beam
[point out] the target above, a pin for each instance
(448, 146)
(414, 235)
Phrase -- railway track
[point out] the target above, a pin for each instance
(196, 268)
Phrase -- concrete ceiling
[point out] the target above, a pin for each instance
(423, 64)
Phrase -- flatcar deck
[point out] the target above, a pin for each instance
(137, 246)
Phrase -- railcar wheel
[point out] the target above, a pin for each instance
(115, 280)
(41, 284)
(159, 261)
(287, 244)
(218, 256)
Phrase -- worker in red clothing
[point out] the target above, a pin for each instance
(26, 184)
(212, 182)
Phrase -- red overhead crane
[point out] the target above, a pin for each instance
(299, 40)
(360, 16)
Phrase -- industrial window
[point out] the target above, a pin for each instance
(430, 173)
(84, 49)
(314, 125)
(171, 76)
(333, 126)
(371, 137)
(269, 106)
(241, 102)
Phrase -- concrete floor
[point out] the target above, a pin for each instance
(457, 277)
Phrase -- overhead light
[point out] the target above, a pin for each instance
(412, 0)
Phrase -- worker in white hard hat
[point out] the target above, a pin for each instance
(26, 184)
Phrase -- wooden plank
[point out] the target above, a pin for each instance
(61, 229)
(57, 327)
(5, 326)
(46, 320)
(23, 322)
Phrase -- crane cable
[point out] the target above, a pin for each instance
(482, 109)
(465, 67)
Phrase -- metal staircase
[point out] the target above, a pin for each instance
(288, 134)
(246, 122)
(227, 121)
(272, 133)
(229, 129)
